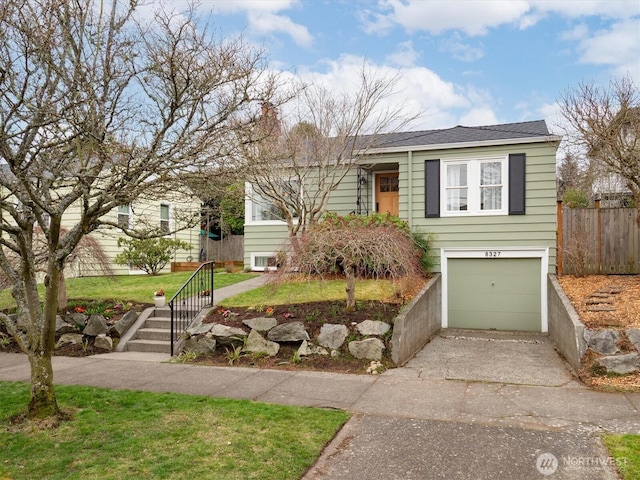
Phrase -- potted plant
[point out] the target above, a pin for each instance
(158, 298)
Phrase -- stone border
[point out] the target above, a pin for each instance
(418, 322)
(565, 328)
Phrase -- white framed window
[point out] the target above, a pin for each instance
(474, 187)
(262, 262)
(124, 216)
(259, 209)
(165, 219)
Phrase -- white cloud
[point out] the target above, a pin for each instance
(617, 47)
(473, 17)
(477, 17)
(479, 116)
(263, 23)
(404, 56)
(461, 50)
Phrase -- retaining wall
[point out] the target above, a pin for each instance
(420, 320)
(565, 328)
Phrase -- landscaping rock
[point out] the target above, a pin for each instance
(261, 324)
(332, 336)
(63, 327)
(70, 339)
(288, 332)
(621, 364)
(200, 345)
(96, 325)
(125, 322)
(370, 348)
(373, 327)
(200, 329)
(79, 319)
(104, 342)
(307, 349)
(633, 334)
(602, 341)
(225, 335)
(256, 343)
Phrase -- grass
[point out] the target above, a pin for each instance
(310, 291)
(129, 288)
(625, 450)
(119, 434)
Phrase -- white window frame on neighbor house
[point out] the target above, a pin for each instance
(473, 186)
(253, 201)
(168, 219)
(255, 256)
(128, 213)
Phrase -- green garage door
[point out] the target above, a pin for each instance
(494, 293)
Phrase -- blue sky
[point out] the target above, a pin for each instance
(468, 62)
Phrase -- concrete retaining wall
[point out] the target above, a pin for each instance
(565, 328)
(418, 322)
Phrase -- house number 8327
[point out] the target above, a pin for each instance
(492, 254)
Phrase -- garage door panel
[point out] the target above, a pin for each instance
(499, 294)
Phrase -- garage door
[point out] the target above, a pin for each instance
(494, 293)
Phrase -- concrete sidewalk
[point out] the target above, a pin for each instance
(405, 427)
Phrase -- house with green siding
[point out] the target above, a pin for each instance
(485, 195)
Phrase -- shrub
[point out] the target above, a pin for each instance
(575, 198)
(150, 254)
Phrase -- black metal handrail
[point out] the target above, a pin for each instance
(195, 295)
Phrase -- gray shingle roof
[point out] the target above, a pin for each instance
(461, 134)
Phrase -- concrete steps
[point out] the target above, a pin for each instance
(154, 335)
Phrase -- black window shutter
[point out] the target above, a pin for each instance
(431, 188)
(517, 183)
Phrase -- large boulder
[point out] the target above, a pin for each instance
(256, 343)
(373, 327)
(307, 349)
(633, 334)
(104, 342)
(124, 323)
(370, 348)
(78, 319)
(96, 325)
(261, 324)
(332, 336)
(200, 329)
(602, 341)
(288, 332)
(620, 364)
(63, 327)
(200, 345)
(70, 339)
(226, 335)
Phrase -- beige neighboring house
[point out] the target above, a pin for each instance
(167, 213)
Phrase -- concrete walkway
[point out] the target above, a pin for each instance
(417, 422)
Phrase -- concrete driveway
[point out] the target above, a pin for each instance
(519, 358)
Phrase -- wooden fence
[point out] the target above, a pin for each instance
(598, 241)
(229, 249)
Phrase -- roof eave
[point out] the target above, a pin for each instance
(483, 143)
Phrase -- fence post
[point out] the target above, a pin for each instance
(599, 219)
(559, 240)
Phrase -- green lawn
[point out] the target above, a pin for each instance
(625, 450)
(130, 288)
(310, 291)
(124, 434)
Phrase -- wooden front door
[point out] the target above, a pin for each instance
(387, 198)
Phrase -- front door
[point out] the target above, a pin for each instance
(387, 198)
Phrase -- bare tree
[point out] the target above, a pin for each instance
(98, 108)
(605, 125)
(305, 155)
(377, 246)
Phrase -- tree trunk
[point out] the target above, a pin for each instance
(349, 271)
(63, 299)
(43, 401)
